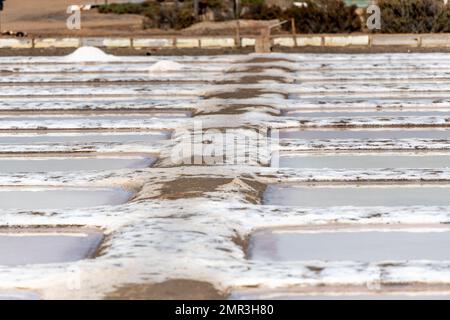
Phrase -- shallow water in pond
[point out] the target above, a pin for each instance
(361, 246)
(18, 295)
(357, 195)
(33, 165)
(24, 248)
(41, 199)
(82, 138)
(364, 161)
(436, 134)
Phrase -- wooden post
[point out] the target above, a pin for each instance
(263, 42)
(238, 34)
(294, 31)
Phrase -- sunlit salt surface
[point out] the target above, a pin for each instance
(351, 114)
(82, 137)
(357, 195)
(95, 104)
(435, 134)
(23, 248)
(86, 90)
(267, 294)
(96, 117)
(70, 164)
(45, 198)
(364, 161)
(349, 245)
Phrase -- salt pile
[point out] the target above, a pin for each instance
(89, 54)
(164, 66)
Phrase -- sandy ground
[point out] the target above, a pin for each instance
(178, 289)
(48, 17)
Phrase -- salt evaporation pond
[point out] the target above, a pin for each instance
(349, 245)
(364, 161)
(33, 165)
(328, 134)
(362, 195)
(64, 198)
(15, 139)
(46, 246)
(120, 116)
(352, 114)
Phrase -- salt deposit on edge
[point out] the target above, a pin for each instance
(163, 66)
(89, 54)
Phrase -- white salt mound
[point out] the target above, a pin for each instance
(163, 66)
(89, 54)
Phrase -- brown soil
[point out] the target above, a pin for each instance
(258, 189)
(178, 289)
(260, 69)
(191, 187)
(196, 187)
(269, 60)
(254, 80)
(241, 94)
(241, 242)
(48, 18)
(237, 109)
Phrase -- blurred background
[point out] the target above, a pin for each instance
(218, 17)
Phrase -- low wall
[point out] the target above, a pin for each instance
(335, 40)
